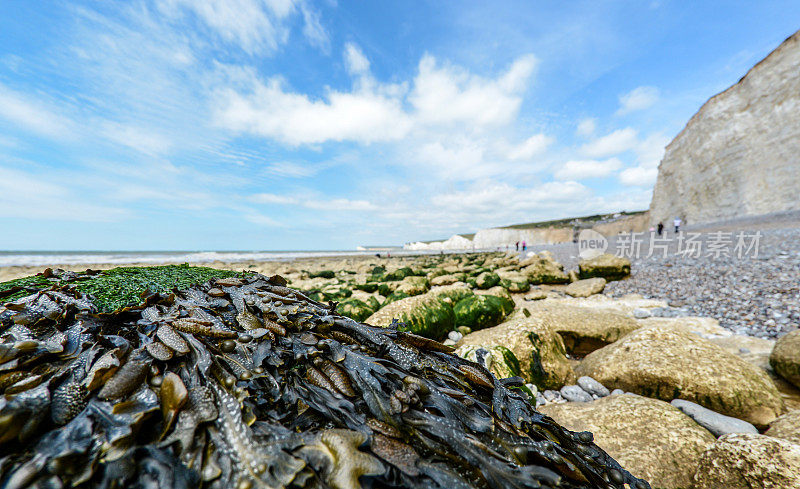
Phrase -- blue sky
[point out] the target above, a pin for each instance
(282, 124)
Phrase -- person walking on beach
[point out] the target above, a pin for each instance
(677, 223)
(524, 245)
(660, 228)
(517, 245)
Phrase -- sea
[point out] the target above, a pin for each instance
(47, 258)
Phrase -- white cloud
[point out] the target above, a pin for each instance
(586, 127)
(615, 143)
(582, 169)
(448, 94)
(533, 146)
(290, 169)
(312, 28)
(339, 205)
(256, 26)
(33, 115)
(649, 154)
(268, 110)
(639, 98)
(267, 198)
(355, 61)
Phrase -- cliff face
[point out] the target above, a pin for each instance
(740, 154)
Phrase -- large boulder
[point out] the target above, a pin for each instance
(585, 287)
(539, 350)
(748, 461)
(610, 267)
(650, 438)
(583, 330)
(667, 363)
(514, 281)
(427, 315)
(540, 270)
(785, 357)
(480, 311)
(786, 427)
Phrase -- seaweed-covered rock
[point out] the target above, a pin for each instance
(607, 266)
(395, 296)
(785, 357)
(746, 461)
(243, 382)
(502, 294)
(498, 359)
(539, 350)
(426, 315)
(452, 293)
(480, 311)
(487, 280)
(413, 285)
(355, 309)
(584, 330)
(541, 270)
(366, 286)
(515, 282)
(323, 274)
(398, 274)
(444, 280)
(651, 438)
(668, 364)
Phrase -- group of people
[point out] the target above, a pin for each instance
(524, 245)
(660, 229)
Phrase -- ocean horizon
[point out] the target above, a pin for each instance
(80, 257)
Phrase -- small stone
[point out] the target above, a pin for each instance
(617, 392)
(718, 424)
(641, 313)
(574, 393)
(448, 342)
(592, 386)
(455, 336)
(551, 395)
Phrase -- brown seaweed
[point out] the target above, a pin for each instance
(245, 383)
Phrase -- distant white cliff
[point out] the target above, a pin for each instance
(739, 155)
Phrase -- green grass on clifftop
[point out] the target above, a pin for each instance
(121, 287)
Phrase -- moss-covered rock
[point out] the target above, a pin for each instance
(398, 274)
(487, 280)
(366, 286)
(426, 315)
(118, 287)
(337, 292)
(453, 293)
(514, 282)
(413, 285)
(541, 270)
(395, 296)
(386, 288)
(322, 274)
(502, 294)
(355, 309)
(539, 350)
(444, 280)
(480, 311)
(498, 359)
(607, 266)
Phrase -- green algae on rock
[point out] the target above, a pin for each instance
(480, 311)
(121, 287)
(498, 359)
(426, 315)
(355, 309)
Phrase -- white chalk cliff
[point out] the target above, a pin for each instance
(739, 155)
